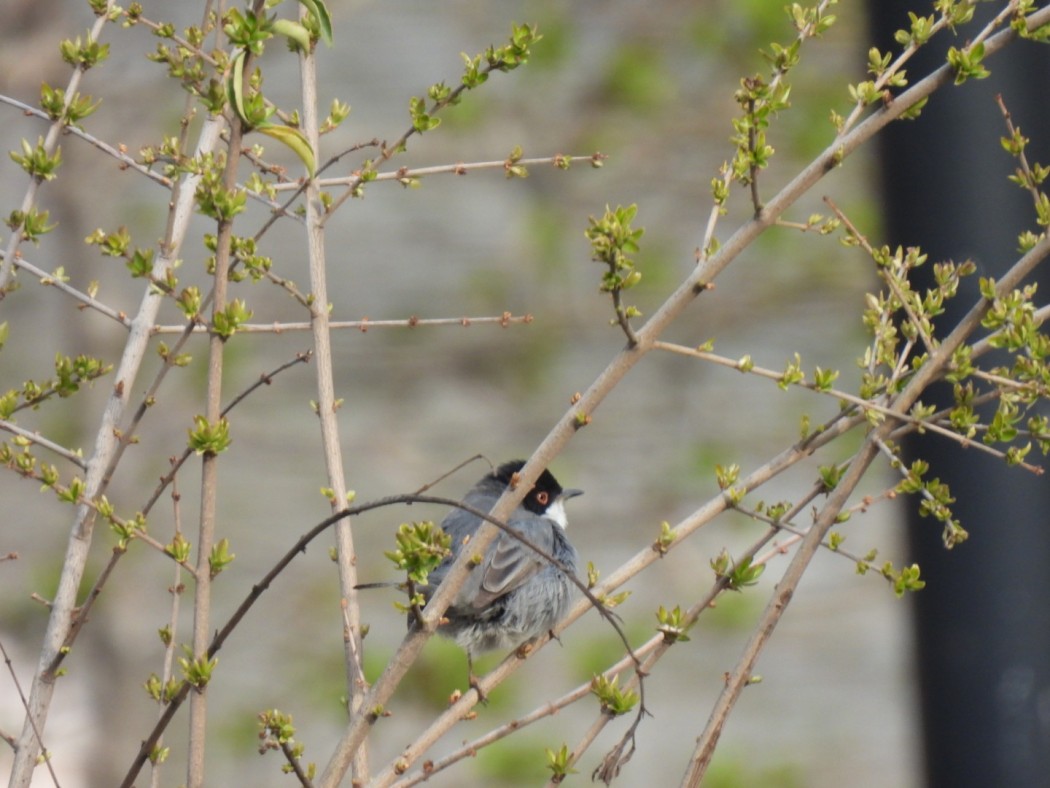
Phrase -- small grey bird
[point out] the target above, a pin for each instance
(513, 594)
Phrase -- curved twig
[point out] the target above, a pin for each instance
(300, 547)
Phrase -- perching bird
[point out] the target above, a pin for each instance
(513, 594)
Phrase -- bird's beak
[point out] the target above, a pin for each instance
(570, 493)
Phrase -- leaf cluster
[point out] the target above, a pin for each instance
(613, 240)
(421, 547)
(71, 372)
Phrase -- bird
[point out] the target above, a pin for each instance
(512, 594)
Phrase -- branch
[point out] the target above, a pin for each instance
(387, 152)
(74, 457)
(845, 397)
(404, 174)
(206, 526)
(106, 444)
(86, 300)
(50, 143)
(125, 161)
(82, 613)
(295, 766)
(363, 325)
(176, 590)
(45, 754)
(327, 406)
(470, 749)
(785, 589)
(921, 379)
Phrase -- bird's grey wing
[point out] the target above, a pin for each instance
(460, 525)
(509, 564)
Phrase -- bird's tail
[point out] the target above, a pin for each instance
(381, 584)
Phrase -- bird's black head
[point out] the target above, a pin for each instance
(544, 494)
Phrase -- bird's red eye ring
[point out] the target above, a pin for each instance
(543, 497)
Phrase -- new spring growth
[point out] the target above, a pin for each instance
(736, 575)
(421, 547)
(614, 701)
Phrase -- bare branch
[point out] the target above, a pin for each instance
(74, 457)
(363, 325)
(45, 756)
(405, 174)
(863, 405)
(60, 621)
(86, 300)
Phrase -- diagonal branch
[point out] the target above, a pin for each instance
(84, 610)
(45, 754)
(73, 456)
(49, 280)
(106, 444)
(922, 378)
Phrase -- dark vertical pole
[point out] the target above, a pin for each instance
(983, 621)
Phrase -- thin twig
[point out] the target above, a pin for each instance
(886, 277)
(296, 767)
(45, 754)
(283, 209)
(784, 524)
(843, 396)
(752, 137)
(301, 357)
(1026, 170)
(176, 589)
(455, 470)
(327, 407)
(387, 152)
(266, 379)
(86, 300)
(461, 168)
(364, 325)
(75, 457)
(621, 314)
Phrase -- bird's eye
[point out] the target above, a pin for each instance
(543, 497)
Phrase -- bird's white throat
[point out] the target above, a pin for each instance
(556, 512)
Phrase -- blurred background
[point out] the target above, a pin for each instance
(650, 85)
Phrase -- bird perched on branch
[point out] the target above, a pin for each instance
(513, 594)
